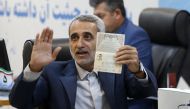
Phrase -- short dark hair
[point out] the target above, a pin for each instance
(112, 5)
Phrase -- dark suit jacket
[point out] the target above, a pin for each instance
(57, 86)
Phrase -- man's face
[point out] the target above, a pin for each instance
(108, 17)
(82, 37)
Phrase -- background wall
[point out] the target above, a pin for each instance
(134, 7)
(22, 19)
(178, 4)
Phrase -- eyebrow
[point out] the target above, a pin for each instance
(73, 34)
(88, 33)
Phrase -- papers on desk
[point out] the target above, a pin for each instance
(4, 98)
(106, 47)
(182, 84)
(172, 98)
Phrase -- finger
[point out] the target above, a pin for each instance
(50, 37)
(37, 39)
(42, 37)
(127, 62)
(125, 52)
(126, 57)
(56, 52)
(126, 47)
(47, 34)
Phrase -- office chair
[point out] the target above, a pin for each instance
(168, 30)
(185, 71)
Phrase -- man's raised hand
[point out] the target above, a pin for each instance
(42, 51)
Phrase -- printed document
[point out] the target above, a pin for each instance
(106, 46)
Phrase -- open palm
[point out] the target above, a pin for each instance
(42, 51)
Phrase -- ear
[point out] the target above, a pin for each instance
(117, 13)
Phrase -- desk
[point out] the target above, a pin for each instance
(4, 102)
(172, 98)
(4, 98)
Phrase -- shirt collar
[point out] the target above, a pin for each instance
(122, 28)
(81, 72)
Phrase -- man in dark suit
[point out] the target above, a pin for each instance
(74, 84)
(113, 13)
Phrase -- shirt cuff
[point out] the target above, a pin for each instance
(144, 80)
(30, 76)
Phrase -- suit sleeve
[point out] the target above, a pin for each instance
(24, 95)
(135, 89)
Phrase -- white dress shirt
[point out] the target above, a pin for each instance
(89, 95)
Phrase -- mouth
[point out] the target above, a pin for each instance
(81, 53)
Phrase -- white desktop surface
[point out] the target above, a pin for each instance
(171, 98)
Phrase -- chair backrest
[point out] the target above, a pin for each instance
(185, 71)
(167, 29)
(64, 54)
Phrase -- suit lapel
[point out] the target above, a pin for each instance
(69, 81)
(108, 83)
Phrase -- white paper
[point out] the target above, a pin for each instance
(172, 98)
(182, 84)
(106, 47)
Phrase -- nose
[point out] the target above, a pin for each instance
(80, 43)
